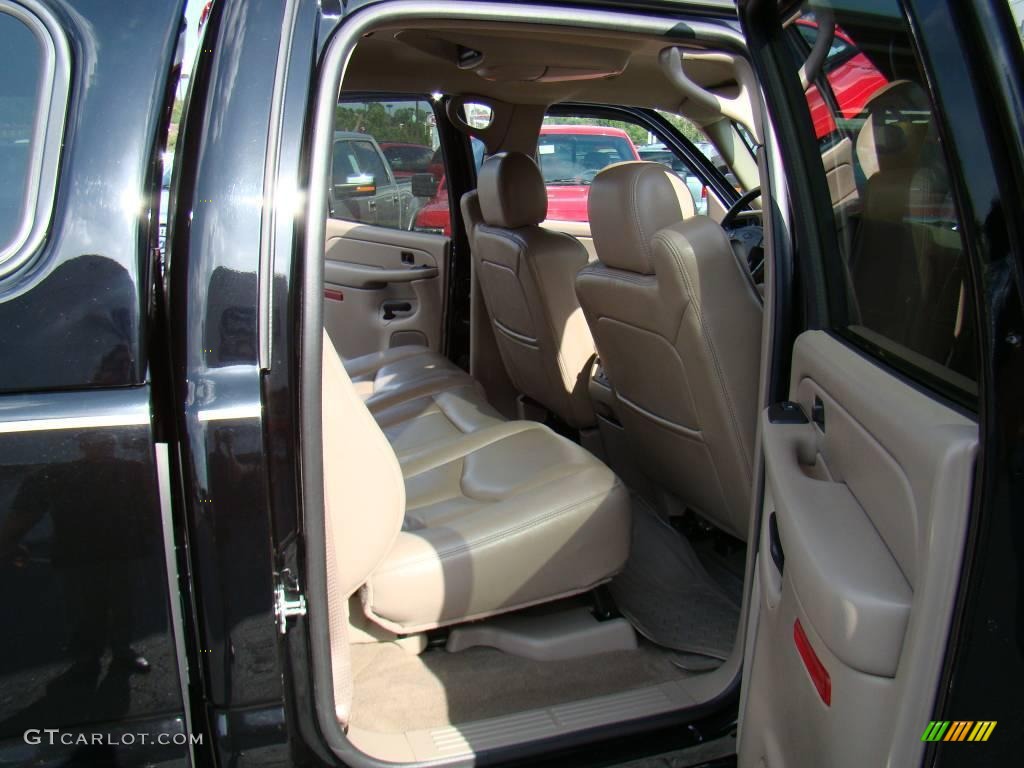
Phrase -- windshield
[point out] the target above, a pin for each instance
(568, 158)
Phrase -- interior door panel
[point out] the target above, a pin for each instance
(862, 532)
(383, 287)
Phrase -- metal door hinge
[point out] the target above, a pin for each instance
(288, 600)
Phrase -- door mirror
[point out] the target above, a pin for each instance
(424, 185)
(359, 185)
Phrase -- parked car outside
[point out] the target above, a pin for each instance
(406, 159)
(569, 156)
(435, 216)
(365, 188)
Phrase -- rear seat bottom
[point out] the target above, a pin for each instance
(399, 374)
(499, 515)
(506, 517)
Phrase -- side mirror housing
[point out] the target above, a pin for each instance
(362, 185)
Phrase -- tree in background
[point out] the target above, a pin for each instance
(399, 123)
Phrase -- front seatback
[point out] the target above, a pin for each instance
(526, 274)
(361, 474)
(678, 328)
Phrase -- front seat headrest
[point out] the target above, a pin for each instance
(511, 191)
(629, 202)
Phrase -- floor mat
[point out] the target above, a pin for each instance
(395, 691)
(667, 594)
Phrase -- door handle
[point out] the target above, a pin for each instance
(391, 307)
(818, 413)
(775, 543)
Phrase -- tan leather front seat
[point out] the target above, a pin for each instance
(527, 274)
(678, 328)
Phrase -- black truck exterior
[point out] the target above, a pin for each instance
(149, 462)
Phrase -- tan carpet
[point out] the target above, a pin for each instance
(396, 691)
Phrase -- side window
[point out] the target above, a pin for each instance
(387, 164)
(897, 274)
(847, 81)
(572, 150)
(839, 50)
(33, 94)
(1017, 12)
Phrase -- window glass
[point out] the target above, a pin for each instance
(387, 165)
(838, 50)
(897, 273)
(21, 68)
(571, 151)
(407, 159)
(1017, 11)
(369, 159)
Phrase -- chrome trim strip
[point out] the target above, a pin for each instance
(48, 133)
(73, 422)
(268, 218)
(163, 474)
(227, 413)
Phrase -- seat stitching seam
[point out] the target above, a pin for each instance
(492, 440)
(642, 280)
(681, 269)
(644, 244)
(499, 535)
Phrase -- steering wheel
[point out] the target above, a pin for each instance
(736, 208)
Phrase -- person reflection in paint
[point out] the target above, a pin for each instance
(96, 545)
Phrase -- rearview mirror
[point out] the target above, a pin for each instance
(424, 185)
(359, 185)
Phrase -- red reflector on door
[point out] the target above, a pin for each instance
(330, 293)
(817, 671)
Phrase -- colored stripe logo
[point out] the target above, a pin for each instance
(958, 730)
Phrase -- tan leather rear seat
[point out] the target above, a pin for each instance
(419, 398)
(399, 374)
(499, 518)
(424, 423)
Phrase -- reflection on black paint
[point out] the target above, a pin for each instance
(81, 569)
(231, 336)
(79, 325)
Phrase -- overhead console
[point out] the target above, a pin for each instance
(497, 58)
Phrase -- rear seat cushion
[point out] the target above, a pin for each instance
(495, 515)
(424, 424)
(506, 517)
(399, 374)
